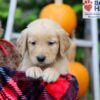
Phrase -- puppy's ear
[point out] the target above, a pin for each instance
(21, 42)
(64, 43)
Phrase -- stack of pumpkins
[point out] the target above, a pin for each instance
(66, 17)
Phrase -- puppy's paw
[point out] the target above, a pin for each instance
(34, 72)
(50, 75)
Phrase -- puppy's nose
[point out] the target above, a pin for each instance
(41, 58)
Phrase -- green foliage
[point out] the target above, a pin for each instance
(80, 54)
(28, 10)
(3, 8)
(77, 8)
(89, 95)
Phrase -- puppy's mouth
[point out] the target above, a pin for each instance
(43, 65)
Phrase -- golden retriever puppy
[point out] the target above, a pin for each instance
(43, 46)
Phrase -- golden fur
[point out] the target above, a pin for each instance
(43, 37)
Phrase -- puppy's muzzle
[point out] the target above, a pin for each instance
(41, 58)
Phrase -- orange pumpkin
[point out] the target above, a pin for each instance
(61, 13)
(82, 76)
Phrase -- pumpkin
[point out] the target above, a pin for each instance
(62, 14)
(82, 76)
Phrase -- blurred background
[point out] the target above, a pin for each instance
(29, 10)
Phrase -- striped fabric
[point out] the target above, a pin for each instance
(16, 86)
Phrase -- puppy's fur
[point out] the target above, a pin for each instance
(43, 37)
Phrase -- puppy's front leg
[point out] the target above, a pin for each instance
(50, 75)
(34, 72)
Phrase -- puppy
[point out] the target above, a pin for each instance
(43, 46)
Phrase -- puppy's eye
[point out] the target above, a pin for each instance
(51, 43)
(33, 43)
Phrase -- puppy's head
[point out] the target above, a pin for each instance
(44, 41)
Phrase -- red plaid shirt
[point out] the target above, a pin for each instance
(16, 86)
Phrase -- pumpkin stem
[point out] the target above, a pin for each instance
(58, 1)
